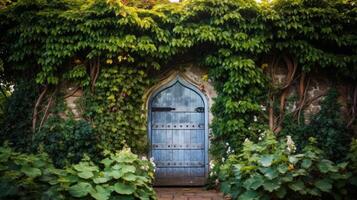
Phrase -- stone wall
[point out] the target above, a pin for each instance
(317, 86)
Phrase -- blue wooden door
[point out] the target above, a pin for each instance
(178, 130)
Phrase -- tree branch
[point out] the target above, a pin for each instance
(35, 112)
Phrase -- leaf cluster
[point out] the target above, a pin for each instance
(270, 169)
(121, 175)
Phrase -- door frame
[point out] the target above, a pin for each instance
(191, 86)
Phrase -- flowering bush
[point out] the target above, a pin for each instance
(271, 169)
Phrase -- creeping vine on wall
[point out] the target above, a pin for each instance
(112, 49)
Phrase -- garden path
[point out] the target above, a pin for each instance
(187, 193)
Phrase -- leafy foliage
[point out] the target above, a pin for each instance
(115, 108)
(56, 41)
(270, 169)
(32, 176)
(18, 111)
(327, 127)
(66, 141)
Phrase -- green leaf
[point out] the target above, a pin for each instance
(107, 162)
(297, 185)
(306, 163)
(86, 174)
(270, 173)
(80, 189)
(249, 195)
(128, 168)
(266, 160)
(324, 185)
(294, 158)
(254, 182)
(283, 168)
(281, 192)
(100, 193)
(271, 185)
(31, 171)
(101, 180)
(122, 188)
(84, 166)
(116, 174)
(326, 166)
(129, 177)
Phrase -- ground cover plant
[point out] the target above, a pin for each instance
(120, 175)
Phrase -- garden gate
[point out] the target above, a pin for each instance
(178, 134)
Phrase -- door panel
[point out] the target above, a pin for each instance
(178, 134)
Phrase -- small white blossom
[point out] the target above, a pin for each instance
(211, 164)
(255, 118)
(290, 144)
(153, 163)
(260, 138)
(144, 158)
(263, 107)
(228, 150)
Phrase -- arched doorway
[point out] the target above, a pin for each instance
(178, 134)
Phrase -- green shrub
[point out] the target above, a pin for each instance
(66, 140)
(271, 169)
(327, 126)
(18, 108)
(352, 167)
(119, 176)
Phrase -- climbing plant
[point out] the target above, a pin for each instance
(112, 48)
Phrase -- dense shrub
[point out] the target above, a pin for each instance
(66, 140)
(271, 169)
(32, 176)
(327, 126)
(16, 126)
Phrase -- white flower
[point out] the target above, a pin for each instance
(144, 158)
(260, 138)
(263, 107)
(255, 118)
(290, 144)
(246, 140)
(211, 164)
(217, 181)
(228, 150)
